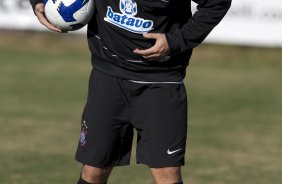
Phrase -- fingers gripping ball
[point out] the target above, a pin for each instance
(69, 15)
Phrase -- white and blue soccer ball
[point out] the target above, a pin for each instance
(69, 15)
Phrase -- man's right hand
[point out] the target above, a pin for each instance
(39, 12)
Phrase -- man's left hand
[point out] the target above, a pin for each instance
(156, 52)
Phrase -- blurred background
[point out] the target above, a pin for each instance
(234, 83)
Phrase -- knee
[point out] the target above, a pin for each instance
(95, 175)
(167, 175)
(174, 171)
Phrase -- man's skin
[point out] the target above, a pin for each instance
(94, 175)
(168, 175)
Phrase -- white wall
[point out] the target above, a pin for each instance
(249, 22)
(17, 14)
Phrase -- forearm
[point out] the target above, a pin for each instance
(191, 34)
(34, 2)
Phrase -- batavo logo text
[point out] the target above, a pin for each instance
(126, 19)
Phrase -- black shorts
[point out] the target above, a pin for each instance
(158, 112)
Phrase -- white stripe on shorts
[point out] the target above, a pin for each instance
(145, 82)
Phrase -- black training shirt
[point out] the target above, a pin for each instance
(117, 26)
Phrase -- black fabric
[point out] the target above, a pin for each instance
(197, 28)
(81, 181)
(115, 107)
(112, 46)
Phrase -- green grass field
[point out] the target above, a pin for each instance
(235, 113)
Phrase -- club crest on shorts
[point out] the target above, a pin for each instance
(126, 19)
(83, 134)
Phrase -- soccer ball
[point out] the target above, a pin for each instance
(69, 15)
